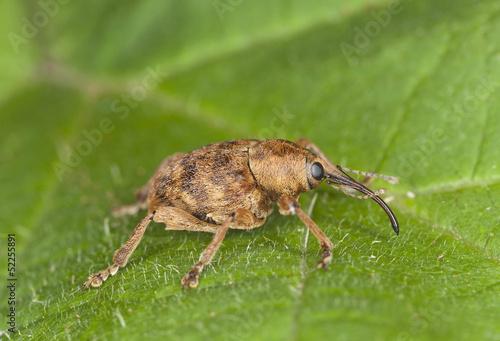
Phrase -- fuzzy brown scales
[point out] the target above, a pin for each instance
(209, 182)
(232, 184)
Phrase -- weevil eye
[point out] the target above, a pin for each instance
(317, 171)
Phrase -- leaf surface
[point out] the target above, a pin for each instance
(410, 90)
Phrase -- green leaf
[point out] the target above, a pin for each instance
(98, 95)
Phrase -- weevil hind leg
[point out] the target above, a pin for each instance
(132, 209)
(141, 196)
(289, 205)
(174, 218)
(121, 255)
(241, 219)
(177, 219)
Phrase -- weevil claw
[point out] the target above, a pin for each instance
(326, 258)
(190, 279)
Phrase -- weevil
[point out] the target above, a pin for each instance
(234, 185)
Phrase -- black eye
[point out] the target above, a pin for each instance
(317, 171)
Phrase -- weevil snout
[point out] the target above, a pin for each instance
(336, 176)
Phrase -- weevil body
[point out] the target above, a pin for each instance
(234, 185)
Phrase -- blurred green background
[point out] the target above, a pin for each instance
(94, 95)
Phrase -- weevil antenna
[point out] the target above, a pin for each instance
(388, 178)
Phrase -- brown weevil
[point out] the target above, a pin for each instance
(234, 185)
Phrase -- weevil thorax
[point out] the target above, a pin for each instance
(280, 167)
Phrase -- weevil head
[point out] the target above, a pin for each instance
(280, 168)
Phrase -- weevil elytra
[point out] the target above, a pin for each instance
(234, 185)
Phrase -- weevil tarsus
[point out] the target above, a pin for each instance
(234, 185)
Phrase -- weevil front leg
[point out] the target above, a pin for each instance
(241, 219)
(289, 205)
(121, 255)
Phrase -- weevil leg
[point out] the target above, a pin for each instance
(288, 205)
(239, 218)
(141, 196)
(121, 255)
(175, 218)
(180, 220)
